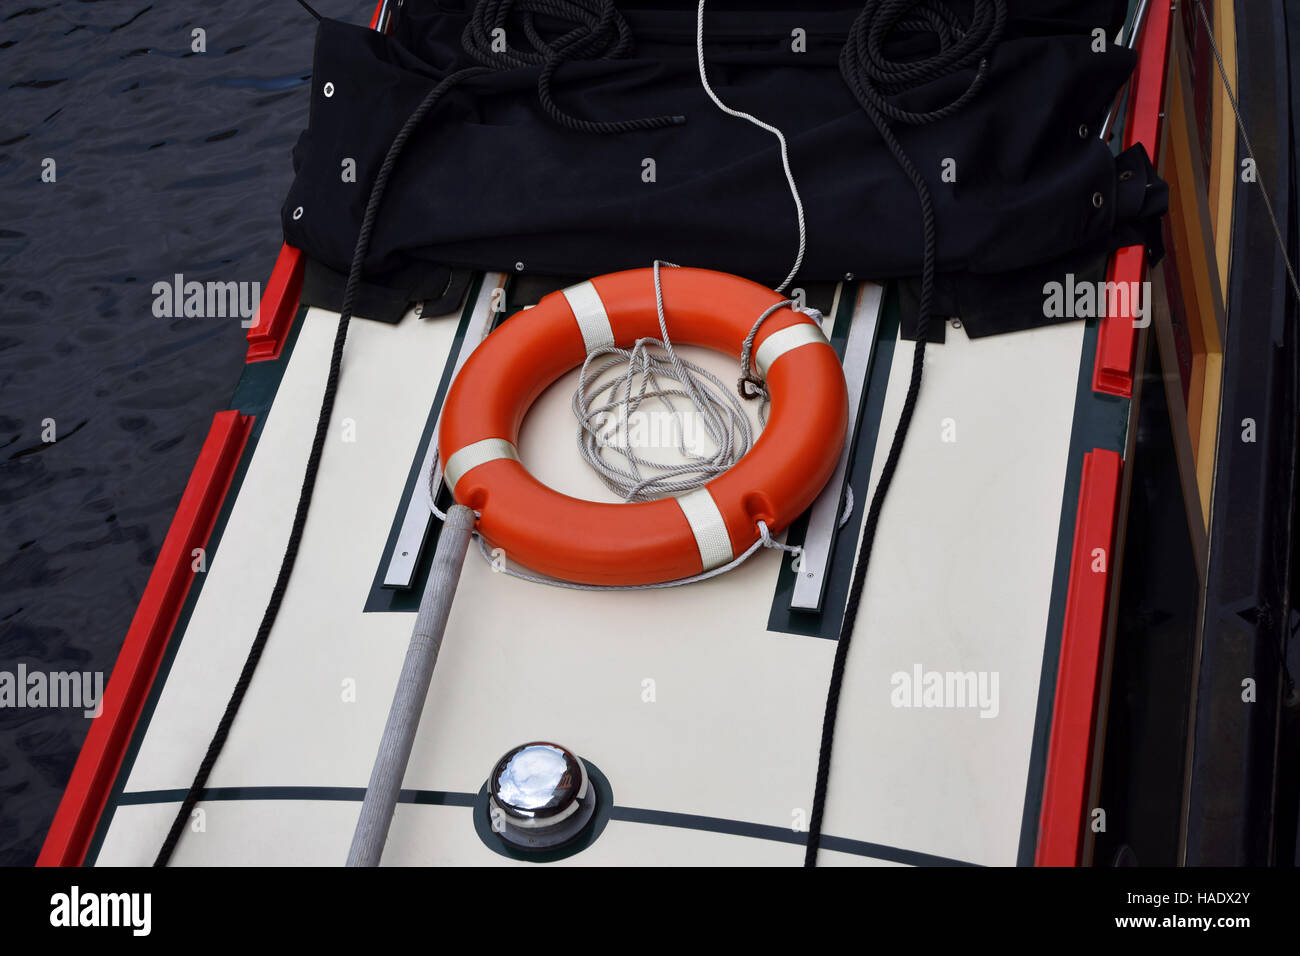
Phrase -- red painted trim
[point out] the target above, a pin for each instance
(1144, 120)
(1112, 374)
(1117, 336)
(137, 663)
(105, 746)
(278, 305)
(1069, 750)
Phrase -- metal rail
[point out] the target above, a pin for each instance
(823, 519)
(415, 523)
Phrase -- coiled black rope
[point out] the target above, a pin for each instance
(873, 78)
(599, 32)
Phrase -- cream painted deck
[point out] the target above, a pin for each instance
(960, 582)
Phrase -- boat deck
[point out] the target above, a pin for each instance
(702, 705)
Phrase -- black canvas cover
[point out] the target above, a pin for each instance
(1020, 179)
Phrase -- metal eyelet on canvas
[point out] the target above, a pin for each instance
(329, 90)
(1098, 200)
(297, 213)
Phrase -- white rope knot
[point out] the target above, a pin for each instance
(766, 540)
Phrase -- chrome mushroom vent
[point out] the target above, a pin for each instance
(540, 796)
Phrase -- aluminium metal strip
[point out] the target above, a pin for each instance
(823, 519)
(415, 523)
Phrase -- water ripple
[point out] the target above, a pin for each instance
(165, 161)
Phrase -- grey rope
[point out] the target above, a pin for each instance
(765, 540)
(785, 150)
(598, 405)
(751, 385)
(724, 422)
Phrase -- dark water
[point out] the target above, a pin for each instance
(167, 161)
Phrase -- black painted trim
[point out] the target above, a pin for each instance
(663, 818)
(440, 798)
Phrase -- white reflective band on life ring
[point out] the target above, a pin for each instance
(471, 456)
(710, 531)
(787, 340)
(593, 320)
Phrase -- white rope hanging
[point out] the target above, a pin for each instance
(654, 373)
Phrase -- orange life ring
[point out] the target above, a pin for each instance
(653, 541)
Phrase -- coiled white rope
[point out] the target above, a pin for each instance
(608, 410)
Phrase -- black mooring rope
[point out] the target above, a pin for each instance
(599, 33)
(873, 78)
(308, 7)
